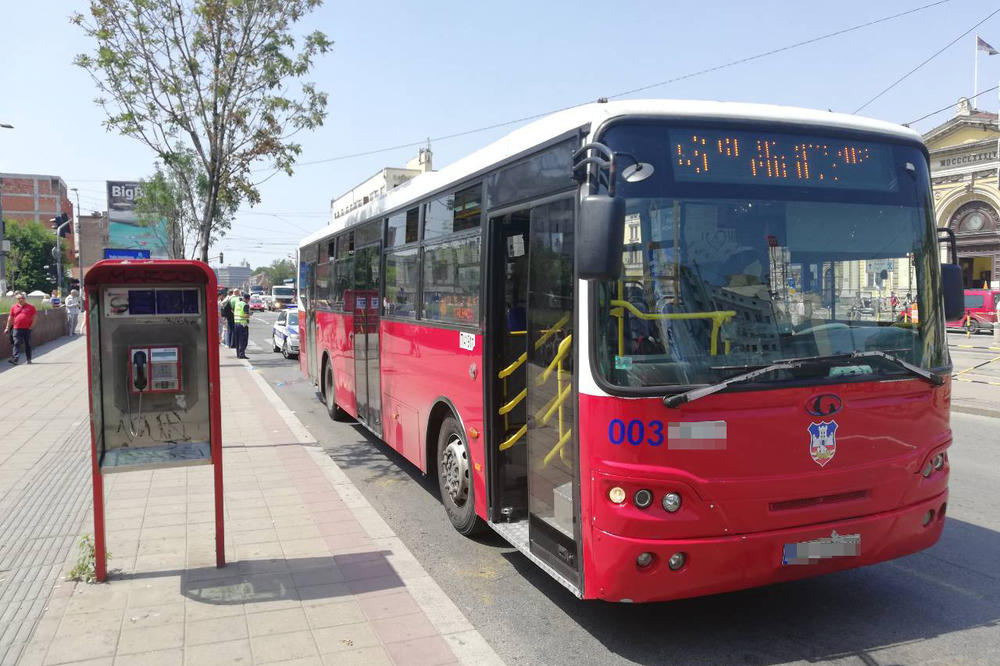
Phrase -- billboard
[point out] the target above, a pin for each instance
(124, 230)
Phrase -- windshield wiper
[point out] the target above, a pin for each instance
(679, 399)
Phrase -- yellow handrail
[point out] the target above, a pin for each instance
(561, 394)
(560, 354)
(513, 403)
(558, 448)
(718, 319)
(512, 440)
(549, 332)
(509, 370)
(549, 409)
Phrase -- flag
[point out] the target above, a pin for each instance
(983, 46)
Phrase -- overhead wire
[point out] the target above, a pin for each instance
(936, 54)
(707, 70)
(945, 108)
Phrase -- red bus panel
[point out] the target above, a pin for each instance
(754, 480)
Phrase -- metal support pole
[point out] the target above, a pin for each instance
(58, 263)
(3, 254)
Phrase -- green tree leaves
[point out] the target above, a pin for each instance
(30, 252)
(208, 86)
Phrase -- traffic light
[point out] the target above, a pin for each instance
(59, 220)
(74, 283)
(221, 262)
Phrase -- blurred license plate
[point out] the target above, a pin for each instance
(811, 552)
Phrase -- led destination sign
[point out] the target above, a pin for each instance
(748, 157)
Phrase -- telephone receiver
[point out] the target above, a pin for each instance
(139, 370)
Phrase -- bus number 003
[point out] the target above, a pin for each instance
(635, 432)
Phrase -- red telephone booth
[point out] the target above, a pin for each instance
(153, 368)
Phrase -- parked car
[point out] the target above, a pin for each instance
(256, 302)
(981, 307)
(285, 333)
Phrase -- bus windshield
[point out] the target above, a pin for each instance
(282, 291)
(745, 247)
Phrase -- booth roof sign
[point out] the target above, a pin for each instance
(122, 253)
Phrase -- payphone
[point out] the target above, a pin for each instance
(153, 358)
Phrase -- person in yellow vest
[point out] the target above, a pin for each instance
(241, 325)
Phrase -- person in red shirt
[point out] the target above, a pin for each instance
(21, 319)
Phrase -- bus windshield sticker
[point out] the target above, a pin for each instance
(623, 362)
(515, 246)
(697, 436)
(466, 340)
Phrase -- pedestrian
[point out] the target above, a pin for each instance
(21, 319)
(241, 326)
(72, 311)
(54, 299)
(222, 318)
(227, 312)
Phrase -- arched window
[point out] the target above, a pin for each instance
(975, 217)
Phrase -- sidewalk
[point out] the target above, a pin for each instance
(314, 575)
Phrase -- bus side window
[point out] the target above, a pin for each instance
(451, 281)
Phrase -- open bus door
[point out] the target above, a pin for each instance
(534, 485)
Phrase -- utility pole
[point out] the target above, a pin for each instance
(77, 236)
(59, 222)
(3, 235)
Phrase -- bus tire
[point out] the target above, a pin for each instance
(454, 472)
(330, 396)
(973, 327)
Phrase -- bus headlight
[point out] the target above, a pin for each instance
(671, 502)
(928, 468)
(644, 560)
(938, 461)
(676, 561)
(617, 494)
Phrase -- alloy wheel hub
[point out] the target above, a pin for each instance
(455, 470)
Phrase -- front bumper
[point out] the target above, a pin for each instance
(723, 564)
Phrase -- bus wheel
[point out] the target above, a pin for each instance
(330, 395)
(455, 478)
(973, 327)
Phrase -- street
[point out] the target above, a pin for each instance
(938, 606)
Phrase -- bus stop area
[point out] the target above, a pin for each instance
(976, 374)
(313, 574)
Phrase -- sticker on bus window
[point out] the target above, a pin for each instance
(623, 362)
(515, 246)
(466, 340)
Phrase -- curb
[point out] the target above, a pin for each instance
(465, 641)
(976, 411)
(975, 347)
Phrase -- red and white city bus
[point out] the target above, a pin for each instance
(620, 337)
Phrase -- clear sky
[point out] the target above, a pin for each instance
(400, 72)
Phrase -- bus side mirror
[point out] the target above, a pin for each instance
(600, 237)
(951, 278)
(951, 289)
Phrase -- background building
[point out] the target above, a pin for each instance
(36, 198)
(92, 241)
(378, 185)
(964, 166)
(233, 276)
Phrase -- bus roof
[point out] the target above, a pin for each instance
(540, 131)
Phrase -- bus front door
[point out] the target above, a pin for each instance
(367, 283)
(535, 455)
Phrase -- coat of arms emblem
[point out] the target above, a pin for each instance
(822, 441)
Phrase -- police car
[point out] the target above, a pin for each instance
(285, 333)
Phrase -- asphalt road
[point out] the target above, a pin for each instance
(940, 606)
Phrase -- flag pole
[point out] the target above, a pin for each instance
(975, 72)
